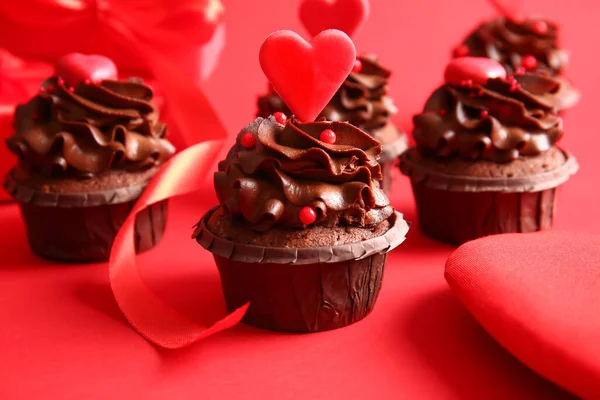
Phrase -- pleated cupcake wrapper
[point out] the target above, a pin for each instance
(300, 256)
(391, 151)
(458, 183)
(32, 196)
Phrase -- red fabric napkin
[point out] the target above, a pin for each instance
(539, 296)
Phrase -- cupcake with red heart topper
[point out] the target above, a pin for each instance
(303, 228)
(363, 99)
(87, 145)
(522, 45)
(486, 159)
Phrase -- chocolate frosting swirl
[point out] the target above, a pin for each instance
(507, 41)
(361, 100)
(499, 121)
(290, 168)
(90, 129)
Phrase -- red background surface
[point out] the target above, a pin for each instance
(62, 336)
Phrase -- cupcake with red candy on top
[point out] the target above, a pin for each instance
(87, 145)
(486, 159)
(302, 229)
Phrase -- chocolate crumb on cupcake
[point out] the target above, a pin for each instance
(486, 160)
(86, 150)
(303, 229)
(362, 101)
(527, 45)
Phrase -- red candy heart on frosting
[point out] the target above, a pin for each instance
(538, 295)
(76, 68)
(475, 69)
(344, 15)
(307, 75)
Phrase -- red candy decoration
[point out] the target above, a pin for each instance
(307, 215)
(442, 112)
(75, 68)
(484, 114)
(307, 75)
(357, 66)
(529, 62)
(50, 89)
(248, 140)
(344, 15)
(520, 71)
(327, 136)
(475, 69)
(540, 27)
(60, 82)
(280, 117)
(71, 89)
(461, 51)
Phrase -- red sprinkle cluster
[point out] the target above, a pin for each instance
(514, 85)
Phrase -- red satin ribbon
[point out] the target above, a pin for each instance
(147, 313)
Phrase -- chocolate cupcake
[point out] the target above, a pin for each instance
(303, 229)
(486, 160)
(362, 101)
(86, 150)
(525, 45)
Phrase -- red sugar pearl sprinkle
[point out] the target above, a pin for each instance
(529, 62)
(327, 136)
(280, 117)
(484, 114)
(460, 51)
(50, 89)
(442, 112)
(357, 66)
(60, 82)
(248, 140)
(539, 27)
(71, 89)
(307, 215)
(520, 71)
(87, 82)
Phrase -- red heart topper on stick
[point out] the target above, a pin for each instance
(307, 75)
(509, 9)
(344, 15)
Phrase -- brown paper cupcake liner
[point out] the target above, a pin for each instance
(299, 256)
(534, 183)
(456, 209)
(306, 289)
(25, 194)
(81, 227)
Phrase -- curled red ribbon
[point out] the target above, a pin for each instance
(148, 314)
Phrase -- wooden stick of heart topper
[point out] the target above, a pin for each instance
(306, 75)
